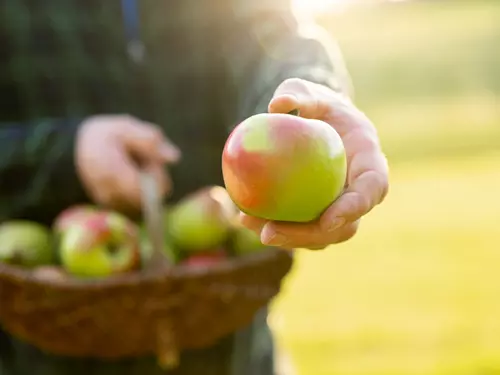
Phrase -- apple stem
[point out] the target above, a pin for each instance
(294, 112)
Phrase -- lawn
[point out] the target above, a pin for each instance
(417, 291)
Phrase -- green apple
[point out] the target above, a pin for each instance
(100, 244)
(25, 243)
(67, 217)
(244, 241)
(283, 167)
(202, 220)
(170, 250)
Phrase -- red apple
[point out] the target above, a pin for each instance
(72, 214)
(100, 244)
(206, 259)
(283, 167)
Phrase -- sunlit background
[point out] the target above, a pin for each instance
(418, 290)
(316, 7)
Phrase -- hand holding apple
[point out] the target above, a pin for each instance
(367, 169)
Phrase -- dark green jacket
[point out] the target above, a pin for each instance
(208, 65)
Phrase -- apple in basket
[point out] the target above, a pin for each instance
(25, 243)
(70, 215)
(205, 259)
(244, 241)
(100, 244)
(201, 220)
(284, 167)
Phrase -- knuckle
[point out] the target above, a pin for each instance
(355, 204)
(151, 134)
(372, 140)
(372, 188)
(296, 84)
(293, 81)
(381, 182)
(155, 132)
(367, 138)
(384, 192)
(126, 118)
(87, 125)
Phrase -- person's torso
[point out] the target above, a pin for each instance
(68, 58)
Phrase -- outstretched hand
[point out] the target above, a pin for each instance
(367, 174)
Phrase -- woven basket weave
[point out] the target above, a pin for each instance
(139, 313)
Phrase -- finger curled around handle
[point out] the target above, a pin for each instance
(148, 143)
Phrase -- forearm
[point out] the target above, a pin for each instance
(37, 172)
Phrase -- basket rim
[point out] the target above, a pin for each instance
(178, 271)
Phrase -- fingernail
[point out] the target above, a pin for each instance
(270, 237)
(336, 223)
(276, 239)
(285, 101)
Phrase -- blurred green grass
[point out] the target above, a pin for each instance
(417, 291)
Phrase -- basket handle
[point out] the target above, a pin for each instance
(153, 213)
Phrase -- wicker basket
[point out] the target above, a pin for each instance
(139, 313)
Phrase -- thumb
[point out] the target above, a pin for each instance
(296, 94)
(147, 143)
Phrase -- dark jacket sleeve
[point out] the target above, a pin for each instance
(37, 173)
(274, 45)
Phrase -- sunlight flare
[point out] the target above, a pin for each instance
(319, 6)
